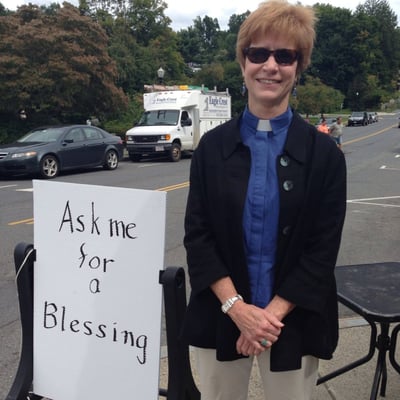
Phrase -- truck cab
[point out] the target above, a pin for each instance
(173, 122)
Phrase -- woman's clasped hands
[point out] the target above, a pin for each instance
(259, 328)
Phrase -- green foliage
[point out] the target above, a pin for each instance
(13, 128)
(147, 19)
(210, 75)
(63, 64)
(233, 81)
(314, 98)
(56, 66)
(332, 60)
(127, 119)
(351, 47)
(199, 43)
(235, 21)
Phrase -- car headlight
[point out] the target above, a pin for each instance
(26, 154)
(165, 137)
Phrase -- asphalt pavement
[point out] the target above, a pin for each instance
(371, 234)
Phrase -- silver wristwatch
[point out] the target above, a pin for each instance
(230, 302)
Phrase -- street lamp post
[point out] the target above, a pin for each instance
(357, 106)
(160, 74)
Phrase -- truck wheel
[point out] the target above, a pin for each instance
(175, 152)
(135, 157)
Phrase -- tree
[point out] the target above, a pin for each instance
(65, 63)
(353, 47)
(210, 75)
(199, 43)
(385, 55)
(227, 40)
(189, 45)
(56, 66)
(333, 56)
(146, 18)
(233, 81)
(314, 97)
(140, 40)
(235, 21)
(3, 10)
(380, 9)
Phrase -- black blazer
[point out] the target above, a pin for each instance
(312, 180)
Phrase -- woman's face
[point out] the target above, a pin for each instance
(269, 84)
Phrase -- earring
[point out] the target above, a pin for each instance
(294, 90)
(244, 89)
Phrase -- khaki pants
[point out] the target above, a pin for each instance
(229, 380)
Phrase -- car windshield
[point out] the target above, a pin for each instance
(159, 117)
(358, 114)
(42, 135)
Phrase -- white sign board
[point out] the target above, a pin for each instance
(97, 297)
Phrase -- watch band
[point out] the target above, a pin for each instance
(230, 302)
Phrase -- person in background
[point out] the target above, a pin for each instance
(336, 131)
(323, 126)
(263, 223)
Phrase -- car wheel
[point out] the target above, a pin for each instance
(111, 160)
(49, 167)
(175, 153)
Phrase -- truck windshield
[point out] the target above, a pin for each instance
(159, 117)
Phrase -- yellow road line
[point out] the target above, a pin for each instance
(164, 189)
(23, 221)
(186, 184)
(174, 187)
(368, 136)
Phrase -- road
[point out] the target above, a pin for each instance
(371, 231)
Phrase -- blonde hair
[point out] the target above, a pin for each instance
(295, 22)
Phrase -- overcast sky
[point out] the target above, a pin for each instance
(183, 12)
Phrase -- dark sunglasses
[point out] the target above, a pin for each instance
(259, 55)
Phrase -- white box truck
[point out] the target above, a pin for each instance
(174, 120)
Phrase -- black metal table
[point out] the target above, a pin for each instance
(373, 292)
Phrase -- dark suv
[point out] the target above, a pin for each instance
(358, 118)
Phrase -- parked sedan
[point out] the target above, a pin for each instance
(49, 150)
(358, 118)
(372, 117)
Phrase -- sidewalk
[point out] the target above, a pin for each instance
(356, 384)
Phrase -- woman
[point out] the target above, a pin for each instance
(323, 127)
(263, 223)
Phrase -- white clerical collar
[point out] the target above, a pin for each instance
(264, 125)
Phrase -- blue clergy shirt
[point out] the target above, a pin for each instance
(261, 212)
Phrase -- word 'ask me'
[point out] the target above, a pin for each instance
(92, 223)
